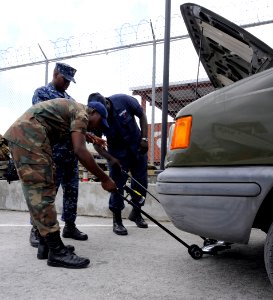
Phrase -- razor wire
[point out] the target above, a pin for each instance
(126, 36)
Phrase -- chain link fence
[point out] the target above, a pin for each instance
(123, 61)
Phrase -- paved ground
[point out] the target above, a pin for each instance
(146, 264)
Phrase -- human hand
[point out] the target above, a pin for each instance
(100, 142)
(109, 185)
(92, 138)
(143, 147)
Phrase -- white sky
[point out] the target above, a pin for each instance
(34, 21)
(29, 21)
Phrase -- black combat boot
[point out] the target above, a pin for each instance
(59, 256)
(43, 249)
(34, 237)
(71, 231)
(136, 217)
(118, 227)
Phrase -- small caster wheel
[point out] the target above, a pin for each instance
(195, 252)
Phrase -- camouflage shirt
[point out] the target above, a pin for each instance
(51, 120)
(48, 92)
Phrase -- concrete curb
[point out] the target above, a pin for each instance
(93, 200)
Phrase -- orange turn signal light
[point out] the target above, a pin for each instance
(181, 133)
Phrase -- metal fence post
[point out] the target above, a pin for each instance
(152, 150)
(165, 83)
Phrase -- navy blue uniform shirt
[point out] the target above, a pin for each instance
(48, 92)
(123, 129)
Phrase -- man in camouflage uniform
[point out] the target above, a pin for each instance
(31, 139)
(67, 172)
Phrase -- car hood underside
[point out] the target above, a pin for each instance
(227, 52)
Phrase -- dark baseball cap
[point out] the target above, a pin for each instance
(67, 71)
(96, 97)
(100, 108)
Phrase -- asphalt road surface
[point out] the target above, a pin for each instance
(147, 264)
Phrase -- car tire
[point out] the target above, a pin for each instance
(268, 253)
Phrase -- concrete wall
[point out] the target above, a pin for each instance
(93, 200)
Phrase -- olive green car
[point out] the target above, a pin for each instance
(218, 177)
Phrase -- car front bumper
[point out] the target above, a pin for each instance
(214, 202)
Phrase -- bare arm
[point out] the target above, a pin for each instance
(87, 160)
(103, 152)
(144, 133)
(143, 125)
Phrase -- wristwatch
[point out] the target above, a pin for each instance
(144, 139)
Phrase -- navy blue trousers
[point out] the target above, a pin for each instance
(137, 165)
(67, 176)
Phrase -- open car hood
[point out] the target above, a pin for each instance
(227, 52)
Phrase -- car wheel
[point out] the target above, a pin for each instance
(268, 253)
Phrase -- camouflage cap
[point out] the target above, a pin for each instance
(67, 71)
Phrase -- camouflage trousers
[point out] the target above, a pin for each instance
(37, 174)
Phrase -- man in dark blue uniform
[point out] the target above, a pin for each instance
(127, 150)
(67, 173)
